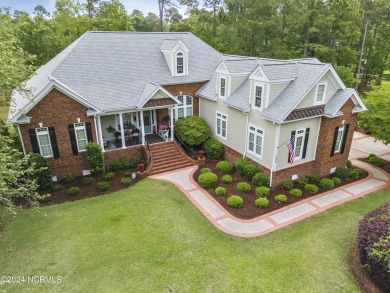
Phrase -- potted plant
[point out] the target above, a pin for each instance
(141, 167)
(110, 129)
(201, 154)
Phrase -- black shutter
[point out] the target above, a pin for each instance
(344, 138)
(53, 140)
(305, 143)
(34, 141)
(73, 141)
(88, 128)
(336, 131)
(289, 153)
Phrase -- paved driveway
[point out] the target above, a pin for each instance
(363, 144)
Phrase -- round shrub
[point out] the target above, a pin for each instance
(287, 185)
(243, 187)
(225, 167)
(58, 187)
(376, 161)
(136, 159)
(303, 181)
(207, 180)
(336, 180)
(349, 164)
(227, 179)
(205, 170)
(281, 198)
(314, 178)
(41, 171)
(220, 191)
(360, 171)
(69, 178)
(235, 201)
(373, 245)
(341, 173)
(246, 168)
(88, 181)
(354, 174)
(109, 176)
(296, 192)
(262, 202)
(192, 130)
(126, 181)
(311, 188)
(103, 186)
(327, 183)
(262, 191)
(260, 180)
(128, 174)
(372, 156)
(74, 191)
(44, 198)
(213, 148)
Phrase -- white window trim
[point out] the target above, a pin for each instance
(216, 124)
(75, 133)
(183, 106)
(342, 130)
(323, 96)
(184, 63)
(256, 134)
(219, 86)
(257, 84)
(44, 131)
(303, 134)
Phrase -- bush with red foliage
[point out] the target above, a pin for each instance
(374, 245)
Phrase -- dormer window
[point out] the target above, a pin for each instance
(258, 96)
(320, 93)
(179, 63)
(222, 87)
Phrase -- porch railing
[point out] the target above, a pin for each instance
(187, 148)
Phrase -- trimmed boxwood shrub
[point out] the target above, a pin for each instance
(354, 174)
(104, 186)
(287, 185)
(69, 178)
(114, 166)
(296, 192)
(74, 191)
(227, 179)
(87, 181)
(262, 202)
(373, 244)
(95, 159)
(372, 156)
(246, 168)
(213, 148)
(127, 174)
(41, 171)
(192, 130)
(225, 167)
(281, 198)
(109, 176)
(207, 180)
(44, 198)
(341, 173)
(311, 188)
(205, 170)
(260, 180)
(376, 161)
(58, 187)
(243, 187)
(235, 201)
(126, 181)
(136, 159)
(349, 164)
(327, 183)
(360, 171)
(220, 191)
(314, 178)
(336, 180)
(303, 181)
(262, 191)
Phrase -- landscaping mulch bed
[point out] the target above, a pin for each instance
(249, 210)
(385, 168)
(87, 191)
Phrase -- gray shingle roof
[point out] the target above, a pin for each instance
(337, 100)
(240, 98)
(169, 44)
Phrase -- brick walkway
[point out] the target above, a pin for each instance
(223, 220)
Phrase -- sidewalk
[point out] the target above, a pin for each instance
(223, 220)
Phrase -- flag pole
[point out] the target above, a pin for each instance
(276, 160)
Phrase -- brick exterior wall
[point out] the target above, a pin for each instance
(109, 156)
(188, 89)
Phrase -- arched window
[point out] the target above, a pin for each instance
(183, 110)
(179, 63)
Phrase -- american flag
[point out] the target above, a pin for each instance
(290, 145)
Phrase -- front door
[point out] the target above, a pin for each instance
(148, 121)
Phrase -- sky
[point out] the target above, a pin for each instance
(145, 6)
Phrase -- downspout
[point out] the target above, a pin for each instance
(275, 158)
(246, 134)
(21, 140)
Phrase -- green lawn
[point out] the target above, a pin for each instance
(150, 238)
(3, 112)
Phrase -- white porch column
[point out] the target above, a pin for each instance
(171, 115)
(142, 127)
(100, 134)
(122, 131)
(21, 139)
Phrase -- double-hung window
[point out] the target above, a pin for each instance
(81, 136)
(339, 139)
(222, 87)
(299, 141)
(255, 140)
(44, 142)
(183, 110)
(221, 127)
(258, 96)
(179, 63)
(320, 93)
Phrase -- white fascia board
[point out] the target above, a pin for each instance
(159, 88)
(340, 82)
(222, 68)
(258, 69)
(182, 45)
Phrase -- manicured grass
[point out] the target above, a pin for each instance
(150, 238)
(3, 112)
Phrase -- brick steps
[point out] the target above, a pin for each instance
(168, 157)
